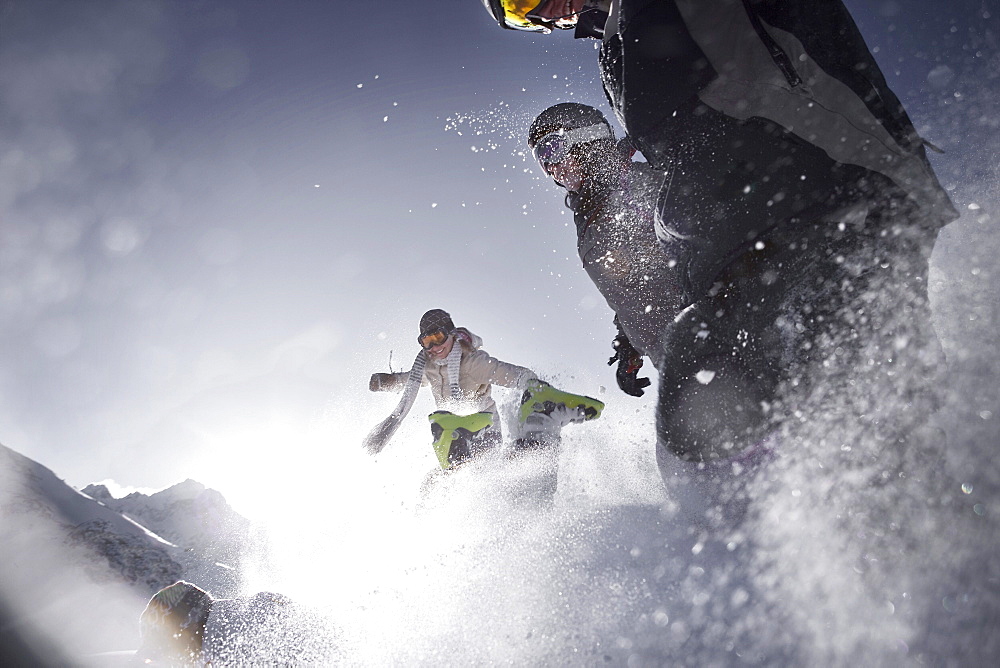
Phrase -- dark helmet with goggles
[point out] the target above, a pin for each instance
(555, 131)
(554, 147)
(519, 15)
(435, 328)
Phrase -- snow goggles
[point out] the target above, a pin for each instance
(555, 146)
(513, 14)
(428, 341)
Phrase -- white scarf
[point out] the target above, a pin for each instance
(378, 437)
(454, 361)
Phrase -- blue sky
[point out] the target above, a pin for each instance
(218, 218)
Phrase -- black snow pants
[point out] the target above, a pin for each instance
(815, 309)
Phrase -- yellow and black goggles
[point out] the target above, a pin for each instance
(428, 341)
(513, 14)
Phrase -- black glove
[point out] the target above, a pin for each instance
(629, 362)
(380, 382)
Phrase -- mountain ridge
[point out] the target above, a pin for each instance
(65, 552)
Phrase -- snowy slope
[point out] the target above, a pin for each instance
(32, 494)
(74, 567)
(821, 559)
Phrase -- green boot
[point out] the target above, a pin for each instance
(455, 436)
(540, 397)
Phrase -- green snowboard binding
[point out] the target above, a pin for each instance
(456, 437)
(541, 398)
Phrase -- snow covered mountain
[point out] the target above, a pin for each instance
(187, 514)
(197, 519)
(35, 501)
(71, 565)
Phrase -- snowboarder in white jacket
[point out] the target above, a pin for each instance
(461, 376)
(456, 353)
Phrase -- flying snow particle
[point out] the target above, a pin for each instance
(704, 376)
(940, 76)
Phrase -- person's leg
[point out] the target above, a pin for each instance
(733, 361)
(457, 438)
(717, 381)
(876, 356)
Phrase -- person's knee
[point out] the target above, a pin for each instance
(713, 407)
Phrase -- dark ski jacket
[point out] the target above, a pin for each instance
(760, 112)
(619, 250)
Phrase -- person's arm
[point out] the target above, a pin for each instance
(489, 370)
(629, 362)
(388, 382)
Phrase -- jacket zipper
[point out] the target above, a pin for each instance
(780, 58)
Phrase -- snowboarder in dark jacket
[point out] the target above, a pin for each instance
(797, 188)
(613, 201)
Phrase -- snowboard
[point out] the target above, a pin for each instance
(456, 436)
(540, 397)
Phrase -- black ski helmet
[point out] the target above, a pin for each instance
(565, 116)
(436, 320)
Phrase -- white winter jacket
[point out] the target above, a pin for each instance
(478, 372)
